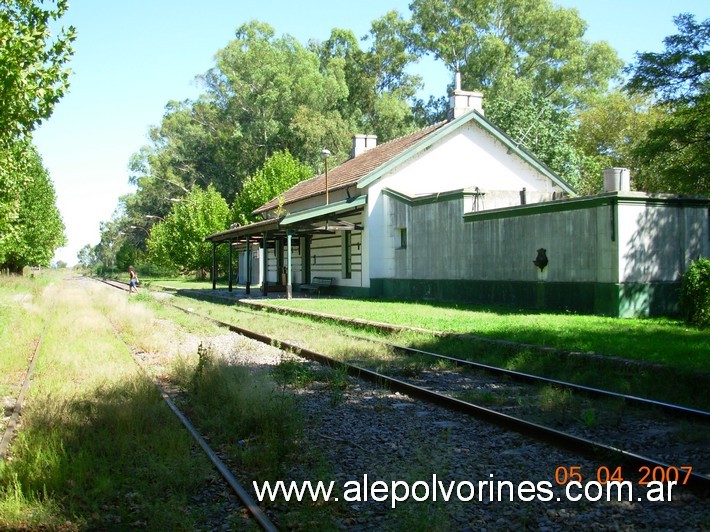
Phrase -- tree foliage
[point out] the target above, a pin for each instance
(179, 240)
(695, 293)
(32, 79)
(32, 73)
(532, 62)
(279, 173)
(678, 146)
(610, 128)
(38, 229)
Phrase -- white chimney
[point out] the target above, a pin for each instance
(617, 180)
(362, 143)
(461, 102)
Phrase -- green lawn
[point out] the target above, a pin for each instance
(658, 340)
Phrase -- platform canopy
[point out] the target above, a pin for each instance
(325, 218)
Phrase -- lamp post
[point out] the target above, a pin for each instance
(141, 228)
(326, 153)
(154, 216)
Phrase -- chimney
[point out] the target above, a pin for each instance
(362, 143)
(461, 102)
(617, 180)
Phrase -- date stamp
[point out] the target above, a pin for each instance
(604, 474)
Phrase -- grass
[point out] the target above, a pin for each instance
(242, 410)
(602, 372)
(658, 340)
(98, 448)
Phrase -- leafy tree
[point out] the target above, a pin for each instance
(15, 175)
(530, 59)
(496, 42)
(86, 256)
(609, 130)
(279, 173)
(261, 83)
(32, 73)
(179, 240)
(32, 80)
(678, 145)
(541, 128)
(38, 230)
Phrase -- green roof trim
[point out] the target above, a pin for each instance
(585, 202)
(323, 210)
(475, 116)
(436, 197)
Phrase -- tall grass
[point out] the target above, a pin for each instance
(242, 409)
(98, 447)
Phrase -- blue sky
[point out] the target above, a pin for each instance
(133, 56)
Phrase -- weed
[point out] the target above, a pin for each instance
(590, 418)
(337, 383)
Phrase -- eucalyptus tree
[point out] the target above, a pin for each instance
(271, 94)
(531, 60)
(380, 89)
(678, 146)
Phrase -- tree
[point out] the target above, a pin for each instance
(32, 73)
(530, 59)
(261, 83)
(496, 42)
(179, 240)
(679, 144)
(541, 128)
(279, 173)
(86, 256)
(38, 230)
(32, 79)
(609, 130)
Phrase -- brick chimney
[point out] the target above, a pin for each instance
(461, 102)
(362, 143)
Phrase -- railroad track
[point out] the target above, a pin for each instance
(24, 387)
(576, 444)
(259, 516)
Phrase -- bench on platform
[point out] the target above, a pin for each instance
(317, 284)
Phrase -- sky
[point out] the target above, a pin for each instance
(134, 56)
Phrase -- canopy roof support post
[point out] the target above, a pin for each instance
(289, 287)
(214, 266)
(230, 264)
(249, 266)
(264, 279)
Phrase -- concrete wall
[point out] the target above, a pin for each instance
(613, 254)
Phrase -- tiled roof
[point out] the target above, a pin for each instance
(352, 170)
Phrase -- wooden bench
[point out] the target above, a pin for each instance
(317, 284)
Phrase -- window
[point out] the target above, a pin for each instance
(402, 238)
(347, 255)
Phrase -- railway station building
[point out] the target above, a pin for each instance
(458, 211)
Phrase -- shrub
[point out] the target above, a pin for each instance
(695, 293)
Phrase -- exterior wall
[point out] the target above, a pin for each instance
(327, 256)
(468, 158)
(607, 254)
(256, 267)
(657, 241)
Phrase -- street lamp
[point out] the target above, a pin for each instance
(141, 228)
(154, 216)
(326, 153)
